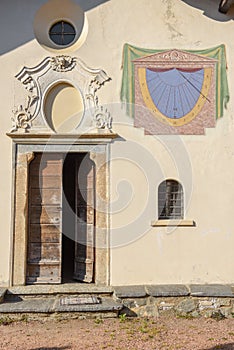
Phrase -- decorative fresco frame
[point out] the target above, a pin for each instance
(199, 82)
(201, 113)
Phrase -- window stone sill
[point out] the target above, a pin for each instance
(163, 223)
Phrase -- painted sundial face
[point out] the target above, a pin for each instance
(175, 95)
(174, 92)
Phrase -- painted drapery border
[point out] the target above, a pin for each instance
(131, 53)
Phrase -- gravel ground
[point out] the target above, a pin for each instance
(148, 334)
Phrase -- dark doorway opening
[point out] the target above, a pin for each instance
(68, 213)
(77, 219)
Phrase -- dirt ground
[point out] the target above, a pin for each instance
(148, 334)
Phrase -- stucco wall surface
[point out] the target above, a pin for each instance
(140, 253)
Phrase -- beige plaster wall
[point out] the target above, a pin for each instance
(204, 164)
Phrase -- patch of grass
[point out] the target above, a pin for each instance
(153, 322)
(217, 315)
(24, 318)
(112, 335)
(98, 321)
(148, 328)
(185, 316)
(5, 321)
(144, 330)
(122, 317)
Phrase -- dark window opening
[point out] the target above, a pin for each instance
(62, 33)
(170, 200)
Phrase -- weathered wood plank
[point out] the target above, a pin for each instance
(84, 250)
(85, 214)
(45, 181)
(47, 156)
(45, 196)
(84, 270)
(45, 215)
(44, 233)
(43, 274)
(85, 182)
(41, 251)
(85, 233)
(45, 218)
(45, 169)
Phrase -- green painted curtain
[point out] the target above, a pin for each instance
(131, 53)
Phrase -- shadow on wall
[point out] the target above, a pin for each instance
(16, 25)
(210, 9)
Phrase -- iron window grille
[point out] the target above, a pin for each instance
(62, 33)
(170, 200)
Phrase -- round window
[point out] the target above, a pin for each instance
(62, 33)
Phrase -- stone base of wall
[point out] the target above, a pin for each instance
(184, 307)
(214, 301)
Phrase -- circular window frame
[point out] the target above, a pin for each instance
(63, 33)
(53, 12)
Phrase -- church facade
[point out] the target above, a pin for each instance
(117, 142)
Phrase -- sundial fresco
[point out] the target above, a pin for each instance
(177, 92)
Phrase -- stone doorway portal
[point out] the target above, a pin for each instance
(96, 152)
(36, 129)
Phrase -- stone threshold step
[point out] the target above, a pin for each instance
(69, 288)
(131, 291)
(52, 305)
(174, 290)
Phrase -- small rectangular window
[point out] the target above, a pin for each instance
(170, 200)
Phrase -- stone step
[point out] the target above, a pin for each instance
(44, 291)
(54, 305)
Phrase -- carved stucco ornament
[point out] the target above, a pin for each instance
(22, 116)
(101, 115)
(30, 117)
(63, 63)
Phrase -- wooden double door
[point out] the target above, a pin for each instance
(61, 218)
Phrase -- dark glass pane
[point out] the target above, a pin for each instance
(56, 28)
(57, 39)
(68, 28)
(67, 39)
